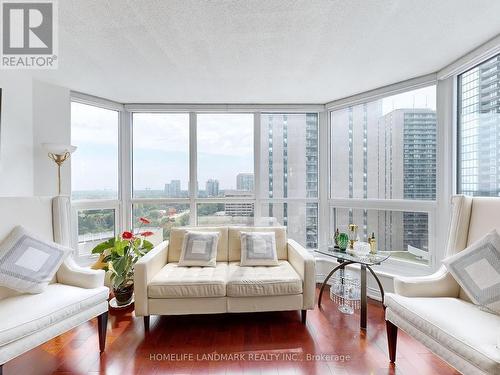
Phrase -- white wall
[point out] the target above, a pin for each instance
(33, 112)
(16, 135)
(51, 124)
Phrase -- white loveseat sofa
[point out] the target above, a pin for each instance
(75, 296)
(164, 288)
(437, 312)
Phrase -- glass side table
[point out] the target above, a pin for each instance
(366, 261)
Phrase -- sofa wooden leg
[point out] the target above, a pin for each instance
(146, 323)
(1, 369)
(102, 325)
(304, 316)
(392, 338)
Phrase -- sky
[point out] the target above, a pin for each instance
(160, 148)
(420, 98)
(161, 145)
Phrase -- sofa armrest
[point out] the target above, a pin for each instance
(144, 270)
(439, 284)
(71, 273)
(304, 263)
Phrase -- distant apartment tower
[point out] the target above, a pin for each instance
(391, 156)
(479, 97)
(245, 181)
(416, 131)
(291, 158)
(173, 189)
(212, 188)
(238, 208)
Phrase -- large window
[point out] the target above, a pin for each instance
(94, 174)
(479, 129)
(160, 155)
(94, 166)
(192, 168)
(381, 150)
(225, 155)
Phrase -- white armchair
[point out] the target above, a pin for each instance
(75, 296)
(435, 310)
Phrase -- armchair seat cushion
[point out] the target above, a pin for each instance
(174, 281)
(280, 280)
(458, 325)
(26, 314)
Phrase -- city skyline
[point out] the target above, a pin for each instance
(95, 163)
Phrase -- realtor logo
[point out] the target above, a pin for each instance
(29, 34)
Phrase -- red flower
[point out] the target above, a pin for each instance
(144, 220)
(146, 234)
(127, 235)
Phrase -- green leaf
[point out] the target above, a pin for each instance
(99, 249)
(146, 245)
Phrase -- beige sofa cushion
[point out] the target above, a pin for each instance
(263, 281)
(234, 242)
(177, 237)
(174, 281)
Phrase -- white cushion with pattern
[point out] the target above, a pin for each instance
(477, 270)
(28, 263)
(258, 249)
(199, 249)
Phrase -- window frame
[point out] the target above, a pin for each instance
(123, 206)
(430, 207)
(457, 96)
(95, 204)
(255, 110)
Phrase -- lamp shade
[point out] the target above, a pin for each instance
(58, 148)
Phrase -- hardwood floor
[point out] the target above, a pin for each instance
(261, 343)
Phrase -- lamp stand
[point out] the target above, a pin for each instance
(59, 159)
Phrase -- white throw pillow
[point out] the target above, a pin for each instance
(258, 249)
(27, 263)
(199, 249)
(477, 270)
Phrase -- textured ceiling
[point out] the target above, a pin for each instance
(259, 51)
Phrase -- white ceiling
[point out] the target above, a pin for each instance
(259, 51)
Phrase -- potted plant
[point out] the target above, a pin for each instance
(119, 255)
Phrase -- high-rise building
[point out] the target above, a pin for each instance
(291, 158)
(173, 189)
(479, 98)
(239, 209)
(391, 156)
(245, 181)
(416, 131)
(212, 188)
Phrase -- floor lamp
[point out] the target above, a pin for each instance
(59, 153)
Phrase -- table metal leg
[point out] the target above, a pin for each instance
(341, 265)
(363, 297)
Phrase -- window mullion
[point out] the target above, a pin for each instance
(257, 170)
(323, 183)
(125, 177)
(193, 165)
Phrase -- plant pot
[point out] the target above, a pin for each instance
(124, 294)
